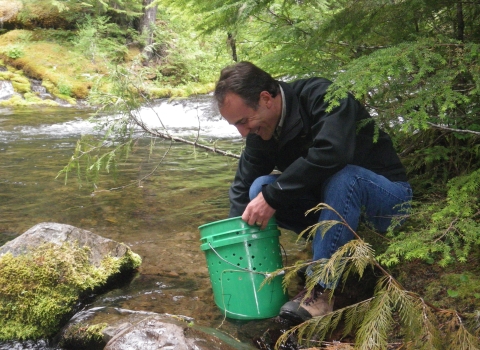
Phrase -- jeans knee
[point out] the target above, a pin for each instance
(259, 182)
(342, 179)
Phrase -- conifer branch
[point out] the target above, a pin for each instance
(373, 319)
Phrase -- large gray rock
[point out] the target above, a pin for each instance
(50, 232)
(139, 330)
(152, 333)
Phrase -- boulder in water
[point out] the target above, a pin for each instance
(46, 271)
(111, 328)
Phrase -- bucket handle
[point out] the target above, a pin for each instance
(241, 268)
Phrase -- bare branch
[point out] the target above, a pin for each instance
(436, 126)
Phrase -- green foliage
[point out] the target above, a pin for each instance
(14, 52)
(44, 14)
(392, 313)
(64, 89)
(444, 231)
(55, 35)
(183, 56)
(38, 290)
(99, 39)
(415, 71)
(92, 155)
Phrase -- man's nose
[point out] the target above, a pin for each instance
(243, 130)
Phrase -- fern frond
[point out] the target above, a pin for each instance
(354, 316)
(321, 227)
(458, 337)
(374, 330)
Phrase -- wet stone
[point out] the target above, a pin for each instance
(132, 330)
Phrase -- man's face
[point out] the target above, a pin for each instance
(261, 121)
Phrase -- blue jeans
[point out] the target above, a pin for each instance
(356, 193)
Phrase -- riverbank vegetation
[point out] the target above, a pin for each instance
(414, 63)
(73, 49)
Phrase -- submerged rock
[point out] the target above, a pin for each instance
(120, 329)
(46, 271)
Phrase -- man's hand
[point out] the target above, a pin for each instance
(258, 212)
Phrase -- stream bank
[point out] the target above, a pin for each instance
(157, 216)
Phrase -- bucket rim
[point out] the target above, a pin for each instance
(221, 221)
(236, 218)
(218, 241)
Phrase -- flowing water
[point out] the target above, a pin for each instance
(157, 215)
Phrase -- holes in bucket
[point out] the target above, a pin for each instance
(253, 256)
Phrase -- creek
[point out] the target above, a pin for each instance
(157, 214)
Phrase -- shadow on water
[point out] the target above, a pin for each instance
(157, 217)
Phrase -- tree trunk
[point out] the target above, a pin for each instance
(147, 22)
(460, 22)
(233, 46)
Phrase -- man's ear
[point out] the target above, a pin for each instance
(266, 99)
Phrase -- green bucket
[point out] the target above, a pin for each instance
(238, 258)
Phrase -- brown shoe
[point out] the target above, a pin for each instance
(301, 309)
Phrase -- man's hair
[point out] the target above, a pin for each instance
(246, 80)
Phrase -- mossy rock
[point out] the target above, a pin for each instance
(21, 87)
(41, 281)
(7, 75)
(84, 336)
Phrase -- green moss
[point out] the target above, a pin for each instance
(131, 261)
(39, 290)
(84, 336)
(28, 100)
(155, 91)
(20, 83)
(21, 87)
(60, 93)
(58, 63)
(458, 290)
(6, 75)
(13, 101)
(31, 98)
(20, 78)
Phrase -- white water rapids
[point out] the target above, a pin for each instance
(181, 118)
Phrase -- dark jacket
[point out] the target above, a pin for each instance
(312, 146)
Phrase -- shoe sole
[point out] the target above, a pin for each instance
(293, 317)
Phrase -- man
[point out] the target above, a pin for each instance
(334, 157)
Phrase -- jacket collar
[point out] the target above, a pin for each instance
(293, 123)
